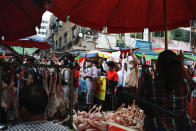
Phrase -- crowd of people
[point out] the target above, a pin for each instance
(33, 93)
(168, 83)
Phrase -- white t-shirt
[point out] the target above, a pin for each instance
(119, 78)
(65, 75)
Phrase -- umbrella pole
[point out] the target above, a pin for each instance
(23, 55)
(165, 23)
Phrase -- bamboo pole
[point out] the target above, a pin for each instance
(165, 23)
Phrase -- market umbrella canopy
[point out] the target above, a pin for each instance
(120, 16)
(95, 53)
(20, 51)
(19, 18)
(30, 42)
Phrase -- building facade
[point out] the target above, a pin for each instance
(63, 35)
(44, 25)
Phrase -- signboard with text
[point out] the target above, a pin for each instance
(143, 45)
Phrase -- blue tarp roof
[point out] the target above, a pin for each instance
(36, 38)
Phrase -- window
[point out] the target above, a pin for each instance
(43, 27)
(65, 37)
(42, 33)
(60, 40)
(122, 35)
(158, 34)
(120, 40)
(73, 32)
(43, 21)
(136, 35)
(193, 23)
(177, 34)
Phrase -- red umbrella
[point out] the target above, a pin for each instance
(126, 15)
(120, 16)
(19, 18)
(29, 42)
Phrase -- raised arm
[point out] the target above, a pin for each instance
(84, 64)
(55, 59)
(44, 60)
(123, 62)
(135, 60)
(145, 68)
(4, 57)
(143, 62)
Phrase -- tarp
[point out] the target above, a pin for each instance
(149, 57)
(104, 54)
(97, 53)
(19, 50)
(29, 42)
(190, 57)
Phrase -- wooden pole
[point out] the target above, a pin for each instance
(165, 23)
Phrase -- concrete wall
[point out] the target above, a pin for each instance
(65, 28)
(106, 41)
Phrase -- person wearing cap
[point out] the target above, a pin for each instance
(90, 74)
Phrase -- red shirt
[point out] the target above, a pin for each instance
(112, 76)
(76, 78)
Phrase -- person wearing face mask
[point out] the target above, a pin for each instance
(130, 77)
(90, 73)
(112, 81)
